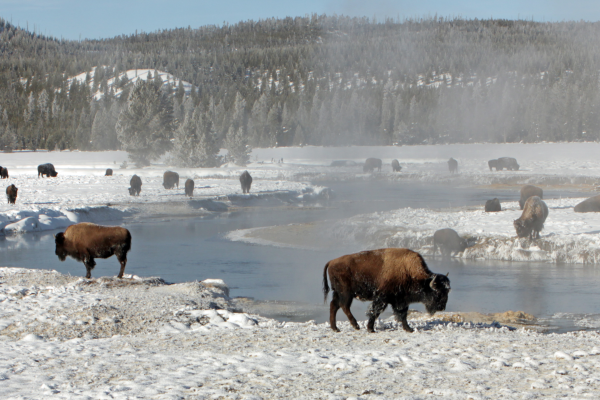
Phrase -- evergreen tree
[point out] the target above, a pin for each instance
(236, 144)
(195, 142)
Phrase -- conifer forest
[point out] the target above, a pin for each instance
(313, 80)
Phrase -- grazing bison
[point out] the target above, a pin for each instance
(590, 205)
(386, 276)
(109, 172)
(396, 166)
(527, 191)
(11, 194)
(453, 165)
(3, 173)
(170, 179)
(86, 241)
(246, 181)
(136, 185)
(448, 242)
(504, 162)
(189, 187)
(493, 205)
(47, 169)
(371, 164)
(532, 220)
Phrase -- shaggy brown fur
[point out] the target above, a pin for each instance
(453, 165)
(527, 191)
(386, 276)
(11, 194)
(396, 166)
(86, 241)
(532, 220)
(170, 179)
(189, 187)
(493, 205)
(371, 164)
(589, 205)
(245, 181)
(3, 173)
(109, 172)
(136, 185)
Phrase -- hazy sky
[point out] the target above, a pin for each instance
(72, 19)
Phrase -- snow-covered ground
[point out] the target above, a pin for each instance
(67, 337)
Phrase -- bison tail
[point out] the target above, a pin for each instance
(325, 285)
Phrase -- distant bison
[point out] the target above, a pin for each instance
(448, 241)
(396, 166)
(136, 185)
(47, 169)
(371, 164)
(246, 181)
(189, 187)
(3, 173)
(109, 172)
(86, 241)
(11, 194)
(532, 219)
(590, 205)
(504, 162)
(452, 165)
(527, 191)
(170, 179)
(493, 205)
(398, 277)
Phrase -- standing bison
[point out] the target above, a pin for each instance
(86, 241)
(504, 162)
(398, 277)
(189, 187)
(453, 165)
(170, 179)
(3, 173)
(527, 191)
(371, 164)
(47, 169)
(532, 220)
(448, 241)
(493, 205)
(11, 194)
(109, 172)
(136, 185)
(589, 205)
(246, 181)
(396, 166)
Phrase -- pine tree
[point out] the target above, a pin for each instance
(195, 142)
(236, 144)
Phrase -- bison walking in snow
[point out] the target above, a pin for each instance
(527, 191)
(86, 241)
(11, 194)
(493, 205)
(371, 164)
(452, 165)
(396, 166)
(246, 181)
(386, 276)
(136, 185)
(448, 241)
(170, 179)
(189, 187)
(532, 220)
(47, 169)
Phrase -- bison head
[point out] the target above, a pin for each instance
(438, 296)
(522, 227)
(61, 252)
(53, 174)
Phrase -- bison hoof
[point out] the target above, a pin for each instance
(335, 329)
(409, 329)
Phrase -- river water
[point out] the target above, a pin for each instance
(288, 280)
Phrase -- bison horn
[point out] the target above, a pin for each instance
(447, 273)
(432, 284)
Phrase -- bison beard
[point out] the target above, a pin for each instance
(398, 277)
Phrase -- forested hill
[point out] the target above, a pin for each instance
(318, 80)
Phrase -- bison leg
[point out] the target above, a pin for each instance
(346, 303)
(334, 306)
(401, 314)
(89, 266)
(375, 309)
(123, 262)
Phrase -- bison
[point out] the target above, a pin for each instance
(452, 165)
(136, 185)
(527, 191)
(532, 220)
(396, 166)
(398, 277)
(493, 164)
(504, 162)
(86, 241)
(189, 187)
(448, 241)
(11, 194)
(493, 205)
(170, 179)
(47, 169)
(590, 205)
(109, 172)
(246, 181)
(3, 173)
(371, 164)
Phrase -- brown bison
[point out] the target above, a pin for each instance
(371, 164)
(452, 165)
(47, 169)
(11, 194)
(504, 162)
(396, 166)
(398, 277)
(189, 187)
(170, 179)
(3, 173)
(109, 172)
(136, 185)
(86, 241)
(532, 220)
(493, 205)
(448, 241)
(527, 191)
(590, 205)
(246, 181)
